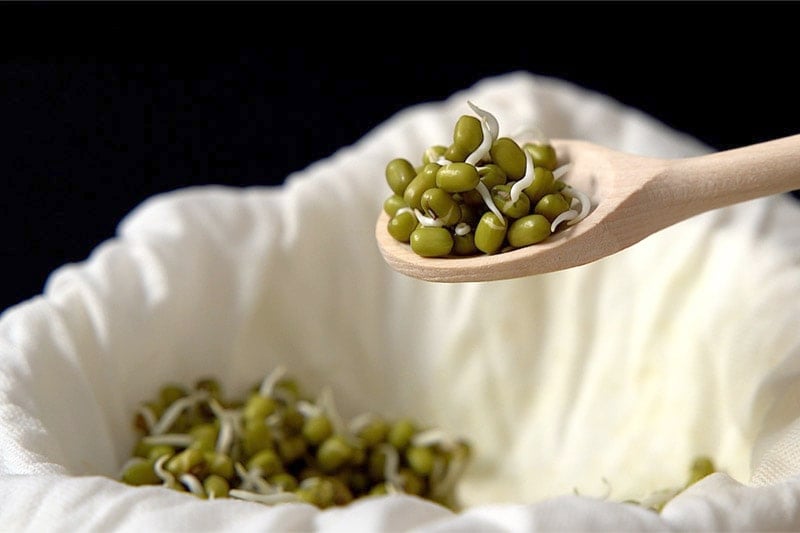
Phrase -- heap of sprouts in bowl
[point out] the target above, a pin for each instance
(482, 194)
(277, 445)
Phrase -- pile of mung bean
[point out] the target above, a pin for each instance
(482, 194)
(277, 445)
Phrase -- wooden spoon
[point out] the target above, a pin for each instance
(632, 197)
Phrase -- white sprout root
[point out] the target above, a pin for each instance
(193, 484)
(428, 221)
(487, 198)
(566, 216)
(490, 129)
(462, 228)
(525, 181)
(175, 410)
(270, 380)
(267, 499)
(586, 204)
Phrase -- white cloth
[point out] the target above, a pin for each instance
(605, 380)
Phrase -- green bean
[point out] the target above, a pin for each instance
(140, 473)
(189, 461)
(464, 244)
(159, 450)
(334, 453)
(401, 225)
(420, 459)
(490, 233)
(219, 464)
(399, 173)
(317, 428)
(431, 241)
(542, 184)
(457, 177)
(544, 155)
(507, 154)
(501, 195)
(551, 205)
(393, 203)
(267, 461)
(433, 153)
(440, 205)
(468, 133)
(373, 432)
(528, 230)
(205, 436)
(424, 180)
(216, 486)
(400, 433)
(492, 175)
(171, 392)
(291, 448)
(256, 437)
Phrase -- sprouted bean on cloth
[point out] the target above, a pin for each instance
(278, 445)
(482, 194)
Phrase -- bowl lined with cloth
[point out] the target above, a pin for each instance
(585, 393)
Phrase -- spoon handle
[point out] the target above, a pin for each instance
(698, 184)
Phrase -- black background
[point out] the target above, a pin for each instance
(105, 104)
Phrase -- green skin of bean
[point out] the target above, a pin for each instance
(401, 432)
(393, 203)
(401, 226)
(501, 195)
(256, 437)
(551, 205)
(440, 205)
(292, 448)
(492, 175)
(258, 407)
(189, 461)
(420, 459)
(216, 486)
(456, 154)
(159, 450)
(490, 233)
(528, 230)
(467, 134)
(334, 453)
(411, 482)
(374, 432)
(464, 244)
(267, 461)
(205, 437)
(219, 464)
(376, 464)
(541, 185)
(284, 480)
(316, 429)
(431, 241)
(399, 173)
(543, 155)
(433, 153)
(472, 198)
(421, 183)
(457, 177)
(141, 474)
(508, 155)
(170, 393)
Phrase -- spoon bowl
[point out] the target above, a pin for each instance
(632, 197)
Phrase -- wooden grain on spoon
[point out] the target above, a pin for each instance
(632, 197)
